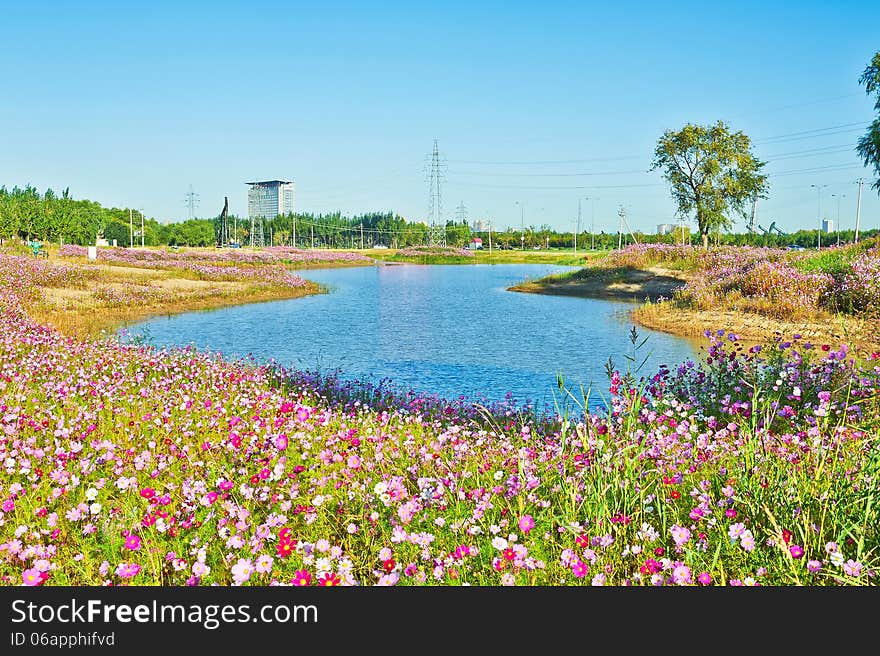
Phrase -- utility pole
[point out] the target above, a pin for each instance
(130, 229)
(621, 213)
(362, 236)
(522, 226)
(142, 227)
(312, 230)
(490, 239)
(593, 223)
(858, 210)
(294, 230)
(819, 215)
(838, 197)
(578, 227)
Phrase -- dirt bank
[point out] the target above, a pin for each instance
(624, 284)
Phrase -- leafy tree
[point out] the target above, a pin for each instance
(869, 144)
(712, 172)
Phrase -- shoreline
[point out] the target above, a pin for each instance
(652, 287)
(623, 284)
(75, 310)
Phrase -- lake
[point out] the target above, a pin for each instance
(447, 330)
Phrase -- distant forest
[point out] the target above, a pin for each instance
(50, 217)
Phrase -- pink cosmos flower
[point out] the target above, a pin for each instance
(852, 568)
(813, 566)
(127, 570)
(8, 505)
(526, 524)
(796, 551)
(32, 577)
(704, 578)
(132, 542)
(680, 535)
(242, 571)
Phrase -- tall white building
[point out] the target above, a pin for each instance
(269, 198)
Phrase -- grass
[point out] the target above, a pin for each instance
(482, 256)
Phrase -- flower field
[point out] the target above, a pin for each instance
(169, 258)
(124, 464)
(772, 282)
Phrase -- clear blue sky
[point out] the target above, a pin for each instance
(130, 103)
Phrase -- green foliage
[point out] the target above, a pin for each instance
(869, 144)
(712, 173)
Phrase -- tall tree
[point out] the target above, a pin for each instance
(712, 173)
(869, 144)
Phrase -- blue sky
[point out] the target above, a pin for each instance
(542, 103)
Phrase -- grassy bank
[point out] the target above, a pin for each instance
(829, 296)
(84, 299)
(480, 256)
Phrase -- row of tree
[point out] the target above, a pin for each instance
(26, 214)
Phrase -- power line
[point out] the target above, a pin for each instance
(191, 200)
(437, 228)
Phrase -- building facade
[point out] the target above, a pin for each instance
(269, 198)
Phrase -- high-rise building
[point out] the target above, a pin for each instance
(665, 228)
(827, 225)
(269, 198)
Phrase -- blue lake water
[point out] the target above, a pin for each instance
(447, 330)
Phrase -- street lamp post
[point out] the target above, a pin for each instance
(593, 200)
(838, 197)
(522, 226)
(819, 215)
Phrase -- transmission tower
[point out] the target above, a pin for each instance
(461, 214)
(256, 234)
(191, 200)
(437, 226)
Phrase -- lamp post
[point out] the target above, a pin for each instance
(593, 200)
(838, 197)
(522, 226)
(819, 215)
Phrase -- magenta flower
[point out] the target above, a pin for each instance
(704, 578)
(526, 524)
(796, 551)
(301, 578)
(8, 505)
(579, 569)
(813, 566)
(132, 542)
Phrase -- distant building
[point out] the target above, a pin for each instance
(269, 198)
(479, 226)
(476, 243)
(665, 228)
(827, 225)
